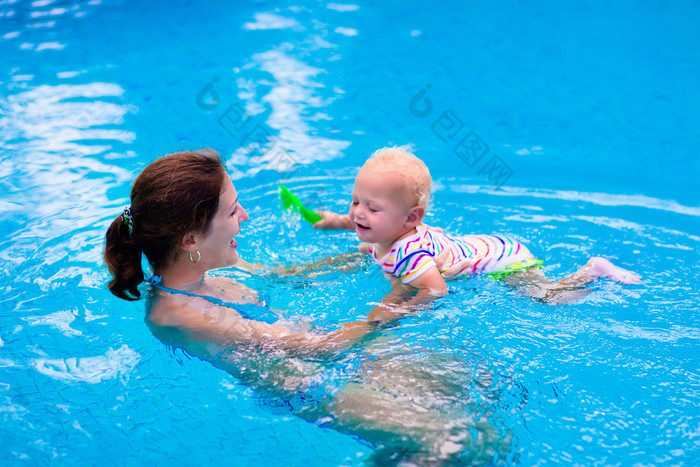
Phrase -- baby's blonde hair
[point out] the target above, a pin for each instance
(402, 161)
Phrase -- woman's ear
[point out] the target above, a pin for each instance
(189, 242)
(415, 216)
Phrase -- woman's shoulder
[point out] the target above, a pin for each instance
(170, 310)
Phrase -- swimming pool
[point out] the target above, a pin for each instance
(572, 126)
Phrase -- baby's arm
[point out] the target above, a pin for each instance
(333, 221)
(432, 282)
(430, 285)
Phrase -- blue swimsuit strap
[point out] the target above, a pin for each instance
(155, 282)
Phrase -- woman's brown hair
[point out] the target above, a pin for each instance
(173, 196)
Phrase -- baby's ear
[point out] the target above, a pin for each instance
(415, 216)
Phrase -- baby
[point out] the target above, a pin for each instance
(389, 201)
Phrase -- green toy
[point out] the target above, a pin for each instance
(289, 201)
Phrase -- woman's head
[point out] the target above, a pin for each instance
(174, 196)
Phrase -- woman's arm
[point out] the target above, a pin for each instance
(252, 268)
(224, 326)
(341, 262)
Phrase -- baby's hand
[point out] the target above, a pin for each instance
(442, 258)
(462, 267)
(333, 221)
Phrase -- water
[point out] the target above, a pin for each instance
(591, 109)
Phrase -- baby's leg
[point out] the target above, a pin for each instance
(533, 282)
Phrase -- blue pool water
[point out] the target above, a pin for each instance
(570, 125)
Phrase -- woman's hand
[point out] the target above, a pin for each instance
(396, 304)
(334, 221)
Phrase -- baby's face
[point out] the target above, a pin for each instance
(379, 209)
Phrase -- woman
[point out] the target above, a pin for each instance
(184, 216)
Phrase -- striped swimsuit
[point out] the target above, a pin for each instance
(455, 257)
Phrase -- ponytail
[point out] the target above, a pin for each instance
(123, 258)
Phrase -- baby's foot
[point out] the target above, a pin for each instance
(601, 267)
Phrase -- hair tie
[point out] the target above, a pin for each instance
(128, 219)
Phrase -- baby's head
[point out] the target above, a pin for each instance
(411, 173)
(391, 195)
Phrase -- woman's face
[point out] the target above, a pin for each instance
(218, 246)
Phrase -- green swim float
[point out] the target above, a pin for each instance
(289, 201)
